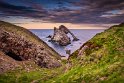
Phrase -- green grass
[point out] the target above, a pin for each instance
(102, 62)
(102, 65)
(22, 76)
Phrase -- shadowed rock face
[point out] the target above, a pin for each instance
(66, 30)
(20, 48)
(7, 63)
(60, 36)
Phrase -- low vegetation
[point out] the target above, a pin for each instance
(101, 62)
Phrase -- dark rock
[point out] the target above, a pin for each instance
(60, 36)
(68, 52)
(122, 24)
(49, 40)
(66, 30)
(49, 36)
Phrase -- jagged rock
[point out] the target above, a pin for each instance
(68, 52)
(60, 36)
(49, 36)
(66, 30)
(22, 47)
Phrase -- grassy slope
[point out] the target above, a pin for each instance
(105, 65)
(27, 72)
(25, 33)
(20, 75)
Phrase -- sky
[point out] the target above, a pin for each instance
(75, 14)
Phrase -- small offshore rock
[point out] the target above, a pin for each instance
(60, 36)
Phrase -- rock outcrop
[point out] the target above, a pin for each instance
(22, 45)
(60, 35)
(7, 63)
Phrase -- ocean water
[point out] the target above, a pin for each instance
(82, 34)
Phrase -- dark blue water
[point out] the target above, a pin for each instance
(83, 34)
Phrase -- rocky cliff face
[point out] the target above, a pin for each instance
(100, 59)
(21, 45)
(60, 35)
(7, 63)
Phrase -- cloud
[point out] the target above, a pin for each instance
(90, 11)
(67, 11)
(113, 13)
(7, 9)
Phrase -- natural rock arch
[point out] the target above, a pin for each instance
(60, 35)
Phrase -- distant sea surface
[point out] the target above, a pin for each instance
(82, 34)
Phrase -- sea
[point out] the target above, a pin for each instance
(82, 34)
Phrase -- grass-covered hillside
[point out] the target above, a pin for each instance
(100, 60)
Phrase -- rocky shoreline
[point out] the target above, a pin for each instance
(98, 60)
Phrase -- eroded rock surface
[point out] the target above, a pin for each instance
(60, 35)
(7, 63)
(20, 48)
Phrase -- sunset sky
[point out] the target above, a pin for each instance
(81, 14)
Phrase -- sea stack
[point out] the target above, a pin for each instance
(60, 36)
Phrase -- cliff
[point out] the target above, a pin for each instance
(22, 45)
(61, 36)
(99, 60)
